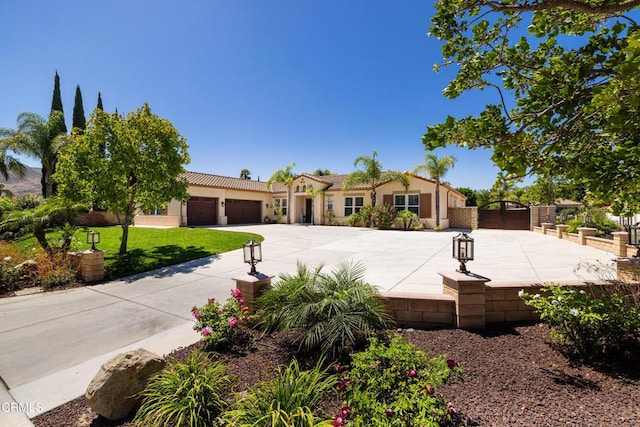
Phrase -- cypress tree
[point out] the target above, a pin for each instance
(79, 120)
(56, 103)
(99, 107)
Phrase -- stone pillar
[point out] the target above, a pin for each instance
(620, 239)
(252, 287)
(628, 269)
(547, 226)
(584, 232)
(560, 229)
(91, 265)
(468, 291)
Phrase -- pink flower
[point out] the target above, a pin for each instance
(430, 389)
(206, 331)
(194, 309)
(196, 314)
(412, 373)
(337, 421)
(236, 293)
(337, 368)
(233, 322)
(451, 410)
(220, 311)
(245, 308)
(345, 411)
(240, 301)
(211, 300)
(389, 412)
(452, 363)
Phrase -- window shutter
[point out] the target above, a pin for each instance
(425, 205)
(387, 199)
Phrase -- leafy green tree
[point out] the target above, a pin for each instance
(284, 176)
(79, 121)
(483, 197)
(322, 172)
(142, 169)
(35, 137)
(471, 195)
(566, 80)
(436, 168)
(372, 175)
(245, 174)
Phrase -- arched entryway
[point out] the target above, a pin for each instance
(504, 215)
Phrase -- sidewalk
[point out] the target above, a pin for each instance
(54, 343)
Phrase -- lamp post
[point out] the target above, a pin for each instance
(93, 237)
(252, 251)
(463, 251)
(634, 238)
(586, 219)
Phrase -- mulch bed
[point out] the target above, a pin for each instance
(513, 376)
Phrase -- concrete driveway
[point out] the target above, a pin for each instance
(53, 344)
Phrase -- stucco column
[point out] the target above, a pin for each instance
(547, 226)
(468, 291)
(90, 265)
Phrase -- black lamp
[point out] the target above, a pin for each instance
(586, 219)
(93, 237)
(252, 251)
(634, 238)
(463, 251)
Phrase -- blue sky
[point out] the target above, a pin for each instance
(250, 84)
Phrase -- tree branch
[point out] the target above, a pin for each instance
(579, 6)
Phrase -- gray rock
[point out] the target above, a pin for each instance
(112, 391)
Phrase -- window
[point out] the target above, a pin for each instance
(353, 205)
(410, 202)
(280, 206)
(157, 211)
(330, 203)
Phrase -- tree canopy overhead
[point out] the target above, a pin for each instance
(567, 78)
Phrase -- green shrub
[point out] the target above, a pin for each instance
(384, 215)
(334, 312)
(221, 326)
(408, 218)
(591, 327)
(289, 399)
(395, 385)
(185, 394)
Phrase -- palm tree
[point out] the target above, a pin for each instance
(9, 163)
(285, 177)
(436, 168)
(372, 174)
(37, 138)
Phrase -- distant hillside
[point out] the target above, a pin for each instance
(28, 184)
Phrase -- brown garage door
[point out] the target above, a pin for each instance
(242, 211)
(202, 211)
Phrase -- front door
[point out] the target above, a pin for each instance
(308, 216)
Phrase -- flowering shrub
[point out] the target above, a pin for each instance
(395, 385)
(383, 215)
(606, 323)
(221, 325)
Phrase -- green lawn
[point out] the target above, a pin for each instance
(151, 248)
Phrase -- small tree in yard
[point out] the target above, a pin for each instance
(285, 177)
(142, 168)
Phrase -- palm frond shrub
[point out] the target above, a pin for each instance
(185, 394)
(290, 399)
(334, 312)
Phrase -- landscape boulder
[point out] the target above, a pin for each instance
(112, 391)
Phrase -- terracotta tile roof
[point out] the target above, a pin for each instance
(218, 181)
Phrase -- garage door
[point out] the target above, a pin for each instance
(202, 211)
(242, 211)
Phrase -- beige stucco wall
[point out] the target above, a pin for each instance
(171, 219)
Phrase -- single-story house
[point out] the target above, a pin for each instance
(221, 200)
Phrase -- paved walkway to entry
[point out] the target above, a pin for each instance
(52, 344)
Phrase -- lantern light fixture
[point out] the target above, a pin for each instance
(252, 251)
(463, 250)
(634, 238)
(93, 237)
